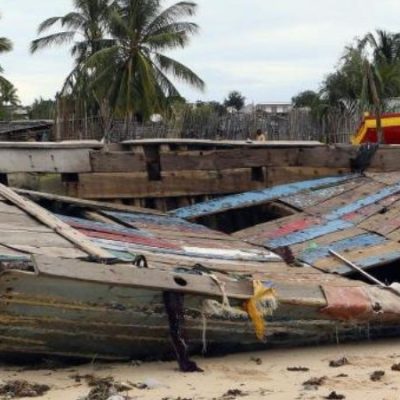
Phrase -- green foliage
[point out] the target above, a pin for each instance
(122, 57)
(371, 65)
(308, 98)
(42, 109)
(235, 100)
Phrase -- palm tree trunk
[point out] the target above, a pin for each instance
(377, 105)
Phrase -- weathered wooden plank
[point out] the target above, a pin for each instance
(282, 175)
(371, 257)
(368, 186)
(388, 178)
(386, 159)
(378, 208)
(327, 156)
(117, 162)
(254, 198)
(371, 198)
(383, 223)
(228, 159)
(92, 205)
(53, 222)
(128, 276)
(67, 144)
(222, 143)
(172, 184)
(327, 239)
(34, 239)
(311, 198)
(44, 160)
(314, 254)
(277, 229)
(308, 233)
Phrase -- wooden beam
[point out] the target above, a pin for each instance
(130, 276)
(72, 144)
(117, 162)
(52, 160)
(60, 227)
(93, 205)
(172, 184)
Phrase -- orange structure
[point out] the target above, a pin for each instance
(367, 130)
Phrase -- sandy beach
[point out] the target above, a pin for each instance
(249, 376)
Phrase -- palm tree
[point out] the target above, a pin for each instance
(84, 28)
(385, 46)
(5, 46)
(134, 72)
(8, 95)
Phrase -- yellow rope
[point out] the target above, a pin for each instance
(262, 303)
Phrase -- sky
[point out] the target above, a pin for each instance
(269, 50)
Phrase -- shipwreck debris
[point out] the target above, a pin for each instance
(15, 389)
(335, 396)
(377, 376)
(339, 363)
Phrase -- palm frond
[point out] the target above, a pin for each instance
(47, 24)
(52, 40)
(179, 70)
(73, 20)
(171, 14)
(5, 45)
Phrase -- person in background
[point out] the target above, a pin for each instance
(260, 136)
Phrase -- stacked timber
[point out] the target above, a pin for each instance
(168, 174)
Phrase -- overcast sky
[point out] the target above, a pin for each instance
(269, 50)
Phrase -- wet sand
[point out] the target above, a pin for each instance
(249, 376)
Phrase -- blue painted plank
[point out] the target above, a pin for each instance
(308, 234)
(369, 262)
(365, 201)
(10, 258)
(368, 239)
(311, 198)
(160, 220)
(255, 197)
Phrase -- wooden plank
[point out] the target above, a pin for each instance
(117, 162)
(312, 198)
(372, 197)
(222, 143)
(44, 160)
(383, 223)
(253, 198)
(327, 156)
(284, 174)
(172, 184)
(309, 233)
(67, 144)
(388, 178)
(386, 159)
(48, 219)
(360, 242)
(34, 239)
(327, 239)
(228, 159)
(128, 276)
(282, 227)
(370, 257)
(92, 205)
(348, 197)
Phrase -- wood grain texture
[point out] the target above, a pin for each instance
(172, 184)
(13, 160)
(128, 276)
(117, 162)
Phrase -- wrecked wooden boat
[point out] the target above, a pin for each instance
(87, 279)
